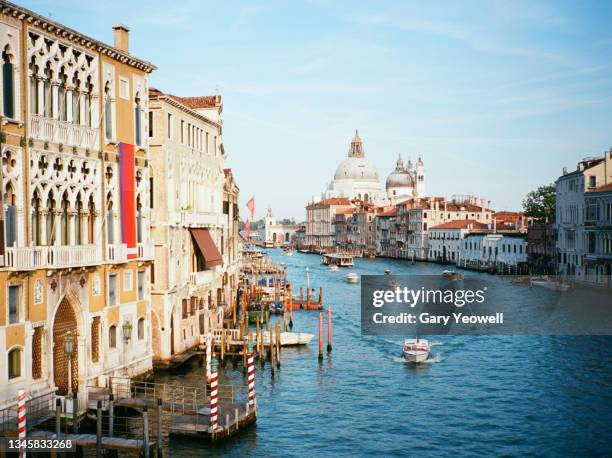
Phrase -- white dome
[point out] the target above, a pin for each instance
(356, 168)
(400, 177)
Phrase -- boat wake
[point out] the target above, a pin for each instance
(431, 360)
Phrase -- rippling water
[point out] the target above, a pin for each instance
(484, 396)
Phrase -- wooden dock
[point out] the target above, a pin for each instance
(174, 361)
(108, 443)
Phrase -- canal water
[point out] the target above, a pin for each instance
(483, 396)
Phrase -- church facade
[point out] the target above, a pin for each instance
(357, 178)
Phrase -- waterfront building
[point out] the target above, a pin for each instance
(445, 239)
(494, 252)
(590, 174)
(74, 288)
(300, 237)
(510, 221)
(541, 247)
(416, 216)
(231, 242)
(598, 234)
(361, 229)
(320, 218)
(276, 233)
(194, 205)
(341, 228)
(386, 232)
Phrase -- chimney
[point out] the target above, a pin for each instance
(564, 170)
(122, 37)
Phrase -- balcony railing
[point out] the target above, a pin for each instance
(146, 251)
(61, 256)
(201, 278)
(116, 252)
(63, 132)
(193, 218)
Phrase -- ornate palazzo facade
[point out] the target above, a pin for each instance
(75, 208)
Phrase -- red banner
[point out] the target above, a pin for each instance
(251, 206)
(247, 227)
(127, 190)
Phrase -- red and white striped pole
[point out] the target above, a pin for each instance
(251, 374)
(21, 418)
(209, 341)
(329, 329)
(214, 410)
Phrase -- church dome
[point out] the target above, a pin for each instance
(400, 177)
(356, 168)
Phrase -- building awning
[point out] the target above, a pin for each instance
(206, 245)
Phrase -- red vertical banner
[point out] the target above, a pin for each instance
(247, 227)
(127, 190)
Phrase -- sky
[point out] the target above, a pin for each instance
(496, 97)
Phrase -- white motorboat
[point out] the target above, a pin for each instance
(351, 278)
(451, 274)
(289, 339)
(287, 252)
(416, 350)
(333, 267)
(546, 282)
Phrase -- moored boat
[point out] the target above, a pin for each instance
(288, 339)
(351, 278)
(452, 275)
(333, 267)
(416, 350)
(546, 282)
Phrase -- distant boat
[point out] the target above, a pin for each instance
(351, 278)
(287, 252)
(546, 282)
(341, 260)
(288, 339)
(387, 272)
(333, 267)
(416, 350)
(452, 275)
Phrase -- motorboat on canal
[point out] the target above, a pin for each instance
(288, 252)
(333, 267)
(546, 282)
(341, 260)
(290, 339)
(351, 278)
(452, 275)
(416, 350)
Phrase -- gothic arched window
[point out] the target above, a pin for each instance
(108, 112)
(8, 84)
(36, 219)
(63, 96)
(91, 220)
(88, 96)
(65, 226)
(48, 101)
(76, 100)
(33, 87)
(51, 222)
(78, 226)
(137, 119)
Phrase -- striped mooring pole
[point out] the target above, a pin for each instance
(251, 374)
(21, 418)
(321, 336)
(214, 411)
(208, 355)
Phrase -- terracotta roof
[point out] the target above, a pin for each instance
(391, 212)
(202, 101)
(461, 224)
(156, 94)
(333, 201)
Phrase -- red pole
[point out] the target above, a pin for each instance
(329, 330)
(320, 336)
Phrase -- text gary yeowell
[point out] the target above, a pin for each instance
(412, 297)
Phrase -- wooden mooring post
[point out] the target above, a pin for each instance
(145, 427)
(99, 430)
(159, 428)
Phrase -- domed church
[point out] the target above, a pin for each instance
(356, 177)
(406, 182)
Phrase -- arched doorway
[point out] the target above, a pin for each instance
(65, 321)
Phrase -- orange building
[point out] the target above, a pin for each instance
(74, 265)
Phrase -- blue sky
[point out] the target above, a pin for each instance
(495, 96)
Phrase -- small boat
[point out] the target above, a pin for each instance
(333, 267)
(288, 339)
(416, 350)
(387, 272)
(546, 282)
(351, 278)
(287, 252)
(452, 275)
(341, 260)
(394, 284)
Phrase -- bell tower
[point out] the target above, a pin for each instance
(420, 178)
(356, 149)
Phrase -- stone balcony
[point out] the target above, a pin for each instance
(146, 251)
(201, 278)
(63, 132)
(52, 257)
(116, 252)
(199, 219)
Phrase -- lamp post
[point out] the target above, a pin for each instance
(69, 352)
(127, 335)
